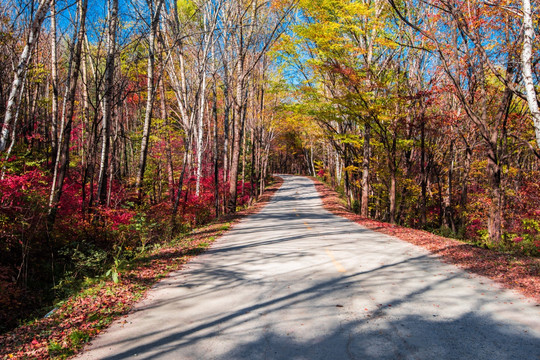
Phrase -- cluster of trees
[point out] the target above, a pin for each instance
(422, 111)
(124, 117)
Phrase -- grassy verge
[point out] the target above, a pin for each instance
(517, 272)
(101, 301)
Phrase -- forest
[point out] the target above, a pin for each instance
(126, 123)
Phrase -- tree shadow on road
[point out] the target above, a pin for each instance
(373, 335)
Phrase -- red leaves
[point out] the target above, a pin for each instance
(85, 315)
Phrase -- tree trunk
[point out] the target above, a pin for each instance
(495, 208)
(448, 213)
(216, 148)
(226, 114)
(168, 149)
(423, 175)
(180, 186)
(150, 89)
(526, 56)
(243, 160)
(200, 130)
(364, 207)
(252, 178)
(54, 80)
(392, 196)
(107, 100)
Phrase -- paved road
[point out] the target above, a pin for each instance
(296, 282)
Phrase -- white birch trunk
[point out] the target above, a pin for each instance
(526, 56)
(107, 99)
(150, 93)
(54, 76)
(202, 99)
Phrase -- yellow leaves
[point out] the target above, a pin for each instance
(280, 4)
(333, 27)
(351, 139)
(286, 44)
(385, 42)
(186, 10)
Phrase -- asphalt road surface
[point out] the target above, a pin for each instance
(296, 282)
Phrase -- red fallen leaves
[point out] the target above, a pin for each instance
(514, 272)
(86, 315)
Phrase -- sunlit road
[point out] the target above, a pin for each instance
(296, 282)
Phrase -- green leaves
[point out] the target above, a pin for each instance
(113, 273)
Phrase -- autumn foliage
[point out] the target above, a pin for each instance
(417, 115)
(35, 258)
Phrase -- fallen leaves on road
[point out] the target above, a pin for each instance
(520, 273)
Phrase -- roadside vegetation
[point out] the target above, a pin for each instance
(99, 300)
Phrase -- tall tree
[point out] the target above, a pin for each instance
(526, 62)
(108, 98)
(154, 8)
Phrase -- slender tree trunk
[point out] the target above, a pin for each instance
(526, 56)
(448, 210)
(113, 157)
(243, 160)
(423, 176)
(392, 197)
(107, 100)
(216, 148)
(168, 149)
(467, 161)
(495, 208)
(185, 166)
(87, 135)
(364, 206)
(226, 114)
(54, 80)
(311, 158)
(347, 185)
(393, 181)
(150, 89)
(252, 178)
(200, 130)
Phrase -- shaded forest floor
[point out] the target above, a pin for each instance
(86, 314)
(512, 271)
